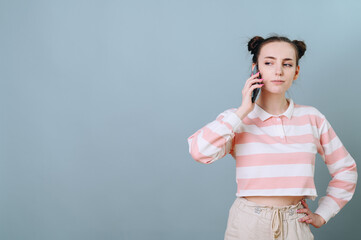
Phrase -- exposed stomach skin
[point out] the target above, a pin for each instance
(275, 200)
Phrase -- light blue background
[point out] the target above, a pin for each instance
(98, 99)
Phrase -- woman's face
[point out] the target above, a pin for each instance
(277, 64)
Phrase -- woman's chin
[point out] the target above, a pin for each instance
(274, 91)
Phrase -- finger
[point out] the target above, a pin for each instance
(304, 219)
(253, 82)
(253, 76)
(257, 73)
(309, 220)
(302, 210)
(304, 203)
(256, 80)
(254, 87)
(306, 210)
(248, 93)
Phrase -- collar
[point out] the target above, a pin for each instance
(263, 115)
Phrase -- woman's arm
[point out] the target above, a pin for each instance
(215, 140)
(342, 168)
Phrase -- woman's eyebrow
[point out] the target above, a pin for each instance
(285, 59)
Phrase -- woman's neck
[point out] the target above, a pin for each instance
(272, 103)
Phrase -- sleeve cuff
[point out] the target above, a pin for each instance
(324, 213)
(233, 120)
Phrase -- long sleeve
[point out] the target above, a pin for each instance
(214, 140)
(342, 168)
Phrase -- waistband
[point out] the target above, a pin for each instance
(288, 212)
(276, 214)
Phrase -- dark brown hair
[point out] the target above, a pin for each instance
(257, 42)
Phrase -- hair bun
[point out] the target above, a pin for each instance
(254, 44)
(301, 47)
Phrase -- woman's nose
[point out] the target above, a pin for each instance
(279, 70)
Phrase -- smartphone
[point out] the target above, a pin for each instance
(256, 90)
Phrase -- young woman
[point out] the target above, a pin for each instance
(274, 142)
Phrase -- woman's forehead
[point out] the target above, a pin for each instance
(278, 50)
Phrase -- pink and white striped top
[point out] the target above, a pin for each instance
(275, 154)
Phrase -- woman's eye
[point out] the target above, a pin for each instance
(267, 63)
(288, 65)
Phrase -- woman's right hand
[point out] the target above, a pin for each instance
(247, 105)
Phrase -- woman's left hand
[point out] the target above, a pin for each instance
(313, 218)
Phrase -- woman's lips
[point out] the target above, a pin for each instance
(278, 81)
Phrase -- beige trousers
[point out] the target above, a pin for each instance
(249, 220)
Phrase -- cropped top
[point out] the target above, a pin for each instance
(275, 154)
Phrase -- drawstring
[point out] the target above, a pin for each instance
(277, 223)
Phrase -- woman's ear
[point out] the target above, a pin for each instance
(253, 64)
(297, 72)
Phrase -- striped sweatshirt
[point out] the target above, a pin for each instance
(275, 154)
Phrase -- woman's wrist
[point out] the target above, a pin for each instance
(241, 113)
(323, 221)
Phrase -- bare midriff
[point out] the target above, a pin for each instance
(275, 200)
